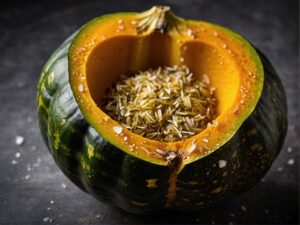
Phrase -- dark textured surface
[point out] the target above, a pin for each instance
(29, 184)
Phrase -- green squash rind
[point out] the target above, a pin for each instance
(109, 174)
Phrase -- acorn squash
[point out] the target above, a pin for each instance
(141, 175)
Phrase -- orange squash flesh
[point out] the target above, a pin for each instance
(110, 46)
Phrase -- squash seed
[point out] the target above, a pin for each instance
(166, 104)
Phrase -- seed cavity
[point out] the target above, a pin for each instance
(165, 104)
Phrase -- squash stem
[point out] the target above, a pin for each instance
(158, 19)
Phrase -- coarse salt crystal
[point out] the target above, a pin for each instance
(18, 155)
(80, 88)
(191, 148)
(19, 140)
(117, 129)
(222, 163)
(217, 123)
(189, 32)
(291, 162)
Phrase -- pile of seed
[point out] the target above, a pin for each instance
(167, 104)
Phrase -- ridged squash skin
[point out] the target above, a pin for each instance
(137, 186)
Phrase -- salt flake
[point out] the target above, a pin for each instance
(191, 148)
(118, 130)
(80, 88)
(291, 162)
(19, 140)
(222, 163)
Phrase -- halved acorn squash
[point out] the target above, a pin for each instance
(141, 175)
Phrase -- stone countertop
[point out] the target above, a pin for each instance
(32, 188)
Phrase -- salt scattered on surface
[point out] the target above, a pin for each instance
(63, 185)
(51, 202)
(47, 219)
(243, 208)
(189, 32)
(117, 129)
(28, 167)
(291, 162)
(18, 155)
(19, 140)
(222, 163)
(80, 88)
(27, 177)
(14, 162)
(289, 149)
(279, 169)
(37, 164)
(191, 148)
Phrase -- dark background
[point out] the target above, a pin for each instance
(34, 191)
